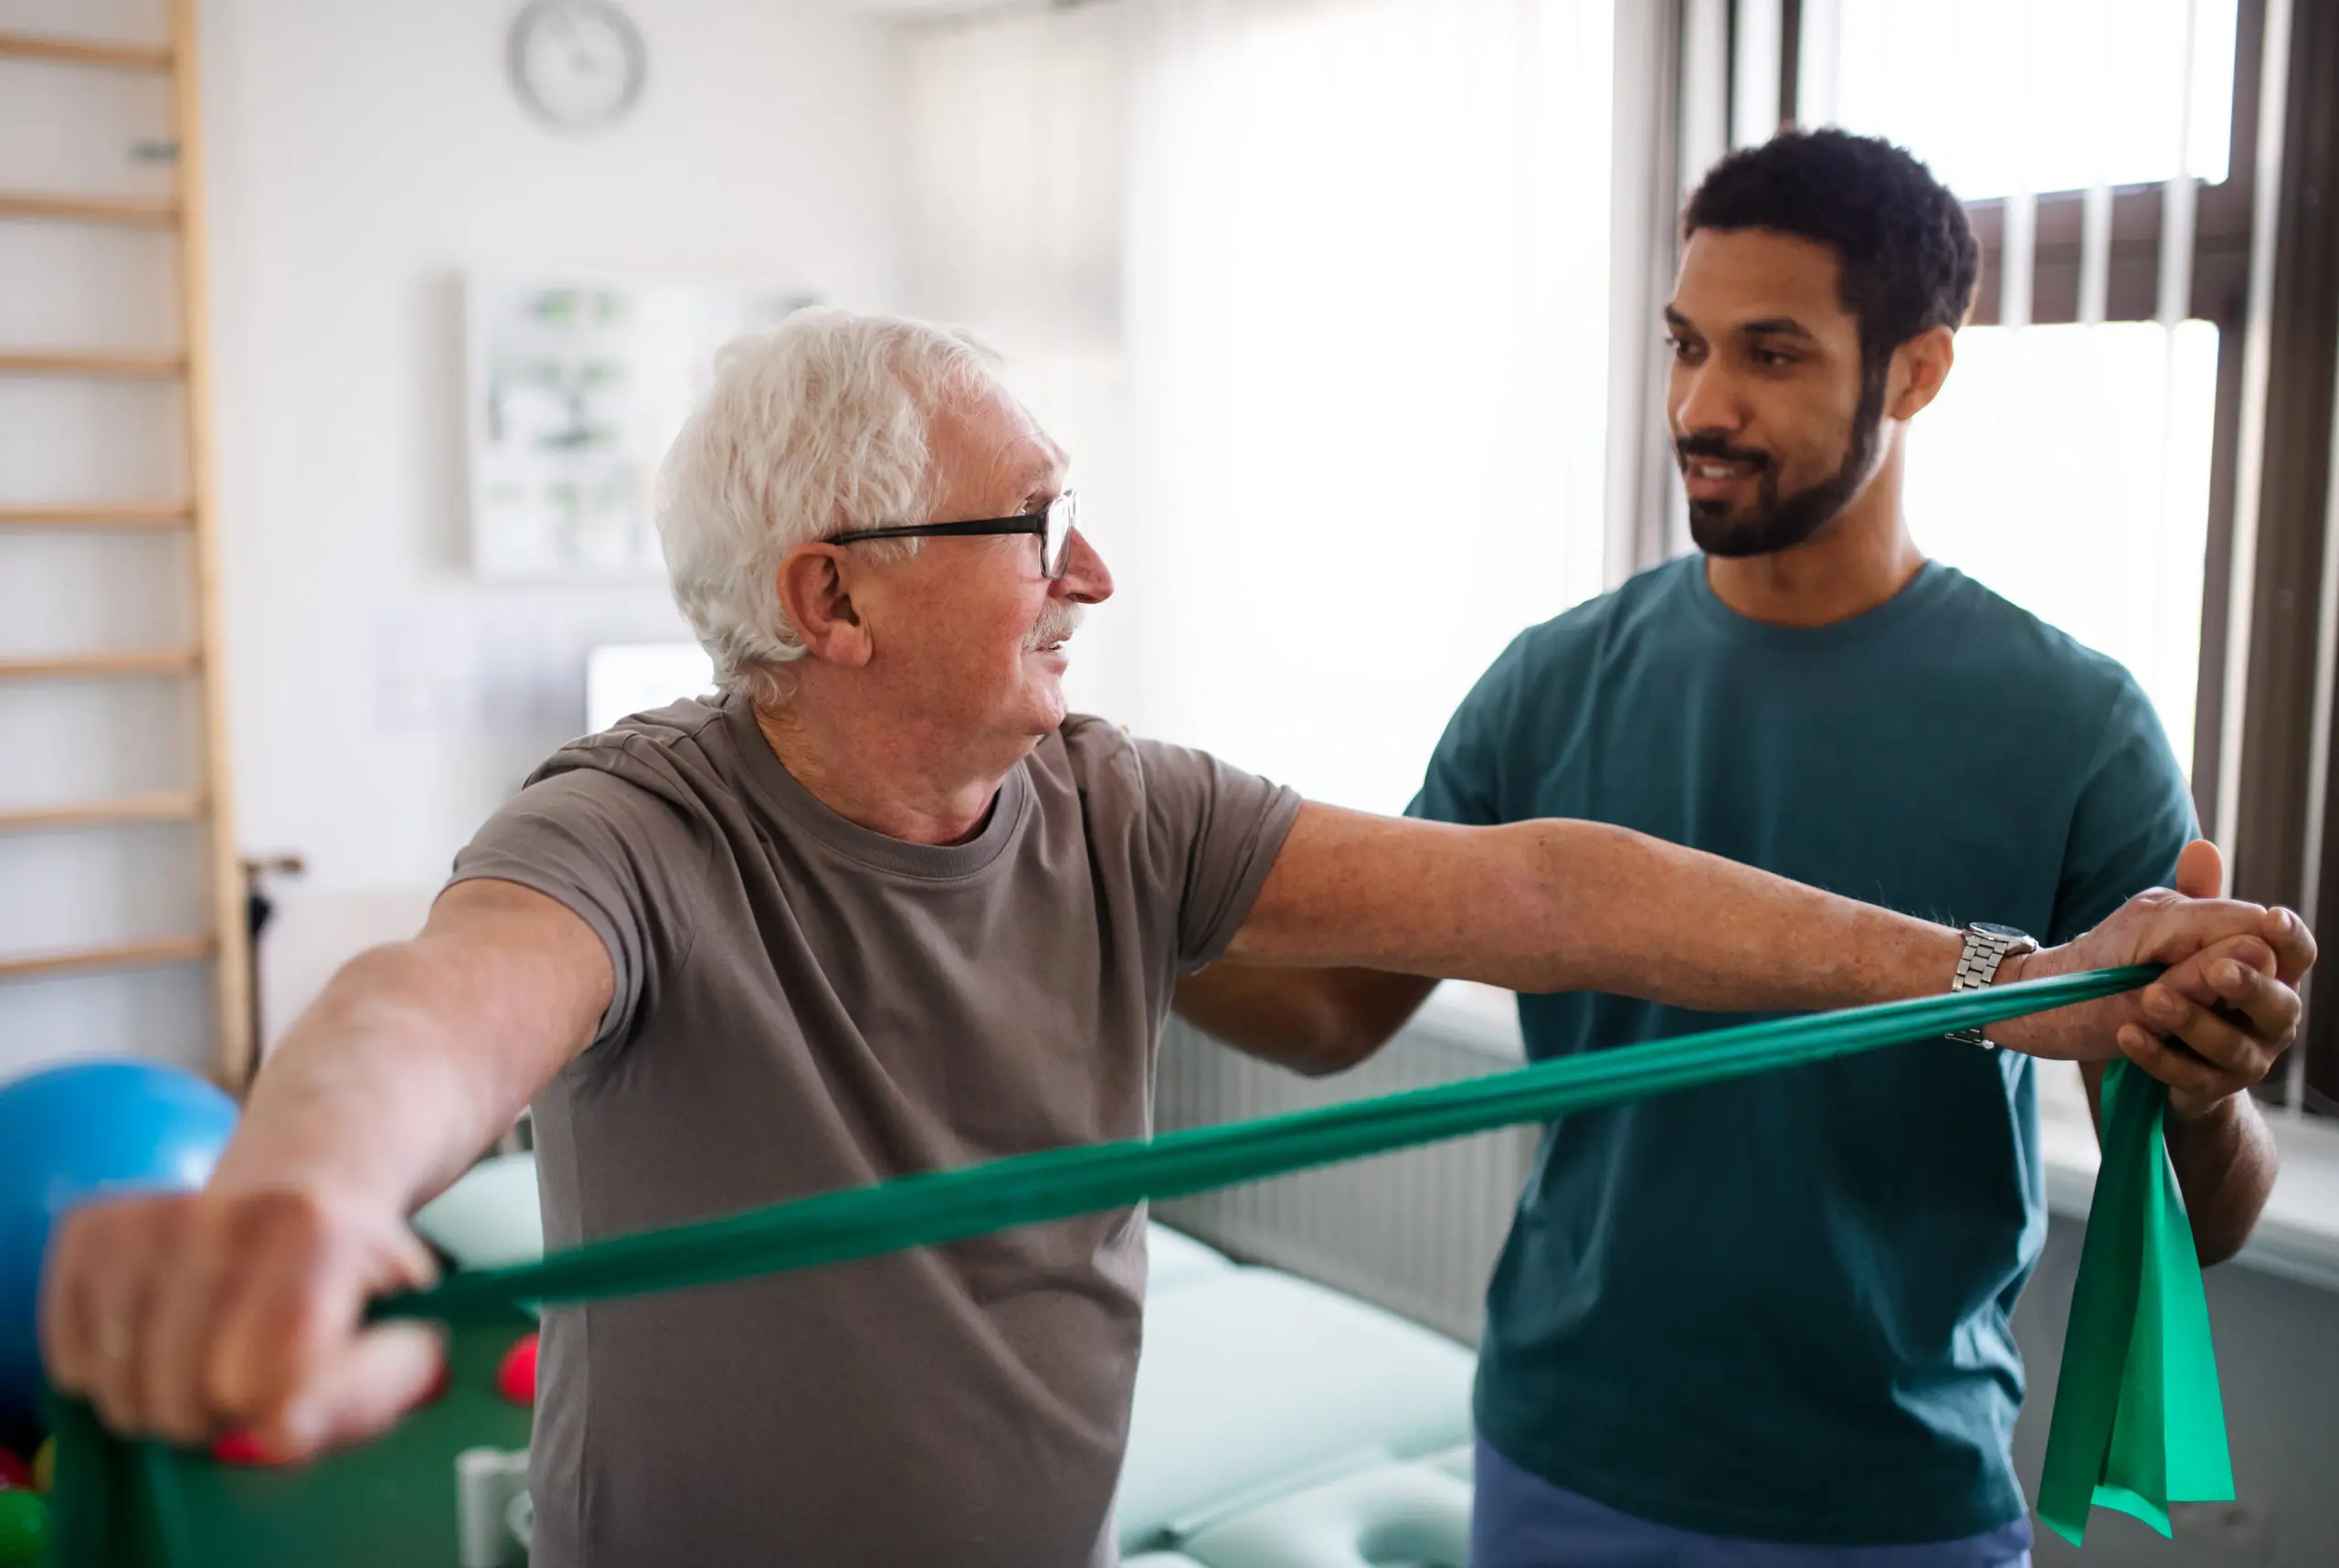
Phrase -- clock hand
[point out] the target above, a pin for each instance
(580, 53)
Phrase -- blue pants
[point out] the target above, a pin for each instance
(1521, 1520)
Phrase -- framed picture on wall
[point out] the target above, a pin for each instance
(574, 391)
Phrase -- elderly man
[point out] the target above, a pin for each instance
(883, 907)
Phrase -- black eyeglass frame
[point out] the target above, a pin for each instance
(1055, 548)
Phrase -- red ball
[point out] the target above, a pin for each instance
(240, 1448)
(13, 1472)
(515, 1379)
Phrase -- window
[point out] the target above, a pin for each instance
(2030, 95)
(2068, 467)
(2068, 464)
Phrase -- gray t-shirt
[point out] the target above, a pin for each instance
(803, 1004)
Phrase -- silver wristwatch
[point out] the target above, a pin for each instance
(1986, 946)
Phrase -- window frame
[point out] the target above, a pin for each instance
(2291, 625)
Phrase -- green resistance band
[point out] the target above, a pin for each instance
(2138, 1423)
(2129, 1439)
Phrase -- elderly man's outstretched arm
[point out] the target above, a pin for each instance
(1360, 912)
(422, 1051)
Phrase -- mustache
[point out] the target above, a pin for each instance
(1719, 450)
(1057, 622)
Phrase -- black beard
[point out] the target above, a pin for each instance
(1781, 523)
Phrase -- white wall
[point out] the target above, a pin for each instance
(362, 157)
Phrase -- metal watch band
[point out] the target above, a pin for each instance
(1977, 968)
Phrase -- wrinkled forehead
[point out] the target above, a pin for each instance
(985, 434)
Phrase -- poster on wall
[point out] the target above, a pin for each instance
(575, 390)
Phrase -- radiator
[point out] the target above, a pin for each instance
(1416, 1232)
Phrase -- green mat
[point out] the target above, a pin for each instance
(388, 1504)
(2137, 1415)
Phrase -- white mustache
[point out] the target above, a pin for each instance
(1057, 622)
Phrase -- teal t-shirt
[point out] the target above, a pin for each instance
(1777, 1308)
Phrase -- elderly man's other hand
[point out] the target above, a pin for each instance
(188, 1316)
(2211, 1026)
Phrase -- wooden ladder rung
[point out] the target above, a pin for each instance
(83, 52)
(132, 661)
(118, 515)
(91, 361)
(162, 806)
(137, 211)
(108, 956)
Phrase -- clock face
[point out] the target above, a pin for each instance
(576, 62)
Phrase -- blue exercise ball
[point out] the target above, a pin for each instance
(72, 1133)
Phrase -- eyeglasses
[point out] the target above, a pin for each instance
(1053, 525)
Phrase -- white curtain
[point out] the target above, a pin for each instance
(1366, 319)
(1018, 156)
(1317, 291)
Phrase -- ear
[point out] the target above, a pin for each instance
(815, 586)
(1919, 368)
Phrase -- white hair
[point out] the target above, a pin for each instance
(811, 429)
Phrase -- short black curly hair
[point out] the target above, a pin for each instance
(1909, 260)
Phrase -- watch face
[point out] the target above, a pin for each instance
(1988, 929)
(576, 62)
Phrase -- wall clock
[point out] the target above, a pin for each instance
(576, 64)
